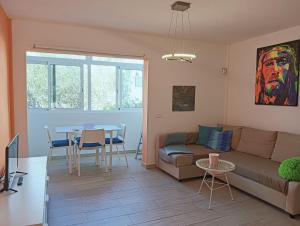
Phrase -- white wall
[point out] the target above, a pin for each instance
(37, 119)
(204, 73)
(241, 87)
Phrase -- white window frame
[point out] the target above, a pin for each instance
(63, 62)
(80, 62)
(33, 61)
(81, 106)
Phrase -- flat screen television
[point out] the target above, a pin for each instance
(11, 162)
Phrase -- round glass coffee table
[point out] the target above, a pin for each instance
(222, 168)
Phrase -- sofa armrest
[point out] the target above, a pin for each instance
(160, 143)
(163, 139)
(293, 198)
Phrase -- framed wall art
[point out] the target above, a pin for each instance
(183, 98)
(277, 74)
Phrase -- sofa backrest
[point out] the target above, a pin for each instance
(192, 137)
(176, 138)
(257, 142)
(287, 146)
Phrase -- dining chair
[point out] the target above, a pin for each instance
(91, 139)
(119, 140)
(57, 144)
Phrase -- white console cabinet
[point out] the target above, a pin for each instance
(28, 206)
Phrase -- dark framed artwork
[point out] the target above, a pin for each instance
(183, 98)
(277, 74)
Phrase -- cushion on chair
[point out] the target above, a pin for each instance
(87, 145)
(61, 143)
(115, 140)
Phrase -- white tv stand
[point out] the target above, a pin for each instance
(28, 206)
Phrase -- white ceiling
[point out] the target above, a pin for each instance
(222, 21)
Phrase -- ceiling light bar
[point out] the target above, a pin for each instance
(179, 57)
(178, 53)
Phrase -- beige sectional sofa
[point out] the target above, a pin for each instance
(257, 155)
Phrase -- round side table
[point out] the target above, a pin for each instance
(223, 168)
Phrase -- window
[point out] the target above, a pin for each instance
(37, 85)
(131, 89)
(66, 86)
(62, 81)
(103, 87)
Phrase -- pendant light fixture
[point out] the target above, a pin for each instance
(179, 19)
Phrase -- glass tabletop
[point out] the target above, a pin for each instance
(222, 167)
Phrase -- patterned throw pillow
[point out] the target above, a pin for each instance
(204, 133)
(220, 141)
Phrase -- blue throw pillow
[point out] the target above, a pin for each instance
(204, 133)
(220, 141)
(175, 138)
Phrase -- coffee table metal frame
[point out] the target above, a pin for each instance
(223, 168)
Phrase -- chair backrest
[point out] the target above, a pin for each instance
(89, 136)
(122, 132)
(48, 134)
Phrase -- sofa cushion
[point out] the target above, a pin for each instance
(257, 142)
(178, 160)
(287, 145)
(220, 141)
(204, 133)
(177, 149)
(200, 151)
(260, 170)
(236, 134)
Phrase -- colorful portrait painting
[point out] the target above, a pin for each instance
(277, 74)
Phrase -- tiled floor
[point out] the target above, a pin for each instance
(135, 196)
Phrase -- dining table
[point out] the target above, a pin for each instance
(71, 130)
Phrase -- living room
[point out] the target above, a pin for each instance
(225, 37)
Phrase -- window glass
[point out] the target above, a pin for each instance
(66, 81)
(131, 89)
(37, 85)
(103, 87)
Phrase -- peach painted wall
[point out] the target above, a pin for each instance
(241, 83)
(204, 73)
(5, 84)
